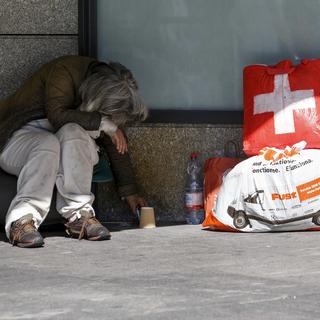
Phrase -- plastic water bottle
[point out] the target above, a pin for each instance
(194, 212)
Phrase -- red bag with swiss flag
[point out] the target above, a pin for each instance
(281, 105)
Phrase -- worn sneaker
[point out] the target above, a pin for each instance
(24, 234)
(87, 227)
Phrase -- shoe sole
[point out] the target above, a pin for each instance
(99, 238)
(29, 245)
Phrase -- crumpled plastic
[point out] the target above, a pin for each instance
(277, 190)
(274, 154)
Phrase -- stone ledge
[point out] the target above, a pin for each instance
(159, 155)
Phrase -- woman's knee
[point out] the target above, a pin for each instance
(76, 142)
(47, 145)
(47, 142)
(72, 131)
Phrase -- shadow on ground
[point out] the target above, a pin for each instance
(58, 230)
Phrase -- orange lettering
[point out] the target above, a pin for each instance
(284, 196)
(275, 196)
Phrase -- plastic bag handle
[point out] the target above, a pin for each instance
(228, 152)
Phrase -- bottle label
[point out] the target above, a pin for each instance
(194, 200)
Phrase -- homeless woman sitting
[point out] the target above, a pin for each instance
(51, 130)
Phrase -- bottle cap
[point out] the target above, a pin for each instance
(193, 155)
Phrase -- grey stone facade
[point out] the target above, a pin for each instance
(33, 32)
(39, 17)
(159, 155)
(21, 55)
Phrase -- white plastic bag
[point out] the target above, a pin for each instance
(278, 194)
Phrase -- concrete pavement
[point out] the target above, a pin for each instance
(176, 272)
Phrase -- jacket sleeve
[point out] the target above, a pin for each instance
(121, 167)
(60, 93)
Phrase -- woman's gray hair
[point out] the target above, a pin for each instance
(113, 91)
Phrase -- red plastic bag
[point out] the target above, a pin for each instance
(214, 170)
(281, 105)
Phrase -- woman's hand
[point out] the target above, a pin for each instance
(135, 201)
(120, 141)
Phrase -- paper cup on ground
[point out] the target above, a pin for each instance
(147, 219)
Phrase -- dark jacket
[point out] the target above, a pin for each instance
(52, 92)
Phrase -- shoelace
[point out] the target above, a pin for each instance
(19, 229)
(86, 222)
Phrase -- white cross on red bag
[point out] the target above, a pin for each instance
(281, 105)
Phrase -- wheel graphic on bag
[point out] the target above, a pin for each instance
(240, 220)
(316, 219)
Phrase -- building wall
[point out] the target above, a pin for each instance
(33, 32)
(159, 155)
